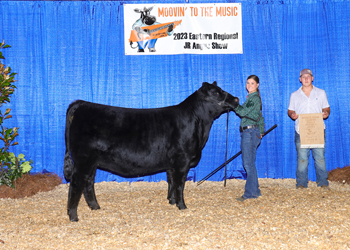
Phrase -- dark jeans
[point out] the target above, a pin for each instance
(303, 163)
(250, 140)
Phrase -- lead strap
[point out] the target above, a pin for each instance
(226, 148)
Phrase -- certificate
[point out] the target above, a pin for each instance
(311, 129)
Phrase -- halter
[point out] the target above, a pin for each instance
(222, 102)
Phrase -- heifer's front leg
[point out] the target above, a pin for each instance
(179, 189)
(75, 191)
(89, 192)
(171, 188)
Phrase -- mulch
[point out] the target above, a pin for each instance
(341, 175)
(30, 184)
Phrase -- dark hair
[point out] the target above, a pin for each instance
(255, 78)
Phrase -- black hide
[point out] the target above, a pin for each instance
(135, 142)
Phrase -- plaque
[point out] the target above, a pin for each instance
(311, 129)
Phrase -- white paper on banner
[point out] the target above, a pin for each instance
(183, 29)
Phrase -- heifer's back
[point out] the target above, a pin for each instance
(132, 142)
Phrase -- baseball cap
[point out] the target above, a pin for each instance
(306, 71)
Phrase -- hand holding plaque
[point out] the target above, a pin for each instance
(311, 129)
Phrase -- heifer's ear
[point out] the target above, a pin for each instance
(137, 10)
(215, 84)
(205, 84)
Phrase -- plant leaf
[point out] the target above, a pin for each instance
(26, 167)
(21, 156)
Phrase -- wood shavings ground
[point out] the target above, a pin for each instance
(138, 216)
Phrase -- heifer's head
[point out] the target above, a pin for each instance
(146, 16)
(221, 99)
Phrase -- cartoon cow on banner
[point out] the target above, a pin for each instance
(146, 31)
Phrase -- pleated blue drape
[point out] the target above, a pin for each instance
(68, 50)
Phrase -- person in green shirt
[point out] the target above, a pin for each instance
(252, 129)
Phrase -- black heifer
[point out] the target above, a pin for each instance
(135, 142)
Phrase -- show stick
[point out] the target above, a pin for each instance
(229, 160)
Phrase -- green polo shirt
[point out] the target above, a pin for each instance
(251, 109)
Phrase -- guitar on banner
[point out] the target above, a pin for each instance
(151, 32)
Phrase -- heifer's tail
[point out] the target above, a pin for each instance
(67, 166)
(68, 162)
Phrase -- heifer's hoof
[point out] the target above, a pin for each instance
(181, 206)
(95, 207)
(172, 201)
(75, 219)
(73, 216)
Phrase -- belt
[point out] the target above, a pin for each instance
(247, 127)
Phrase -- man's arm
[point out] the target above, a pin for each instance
(292, 114)
(326, 112)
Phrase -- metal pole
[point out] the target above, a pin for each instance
(229, 160)
(226, 148)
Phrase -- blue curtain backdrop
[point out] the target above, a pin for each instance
(68, 50)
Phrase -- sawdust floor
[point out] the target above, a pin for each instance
(138, 216)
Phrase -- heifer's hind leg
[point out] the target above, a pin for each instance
(171, 188)
(75, 191)
(89, 192)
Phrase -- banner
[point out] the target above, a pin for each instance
(164, 29)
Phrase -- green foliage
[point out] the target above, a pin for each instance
(10, 166)
(21, 162)
(18, 167)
